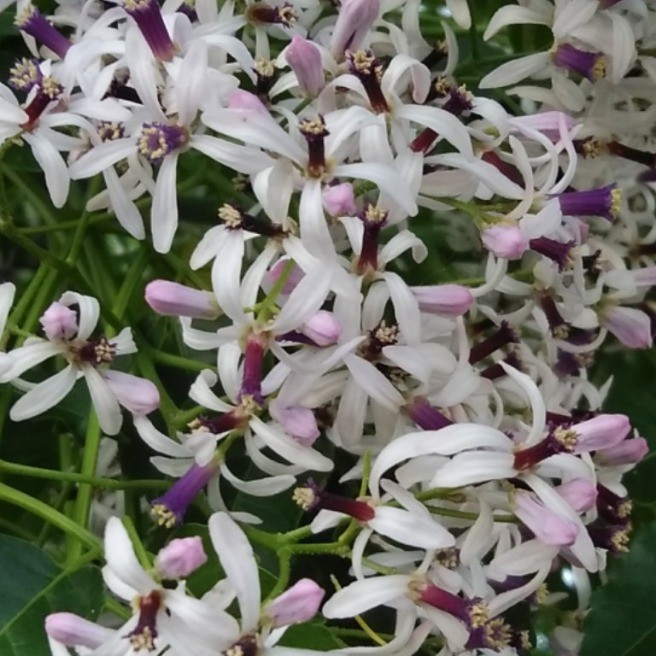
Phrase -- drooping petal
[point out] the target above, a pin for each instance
(236, 556)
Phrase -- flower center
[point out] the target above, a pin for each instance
(157, 140)
(144, 634)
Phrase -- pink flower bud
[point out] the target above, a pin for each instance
(137, 395)
(305, 60)
(452, 300)
(59, 322)
(600, 432)
(645, 277)
(240, 99)
(298, 421)
(632, 327)
(627, 452)
(339, 200)
(547, 525)
(180, 557)
(272, 275)
(580, 493)
(505, 241)
(176, 300)
(74, 631)
(298, 604)
(355, 19)
(323, 328)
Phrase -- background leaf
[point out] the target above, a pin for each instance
(623, 617)
(31, 587)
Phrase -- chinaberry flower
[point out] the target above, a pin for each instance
(68, 325)
(253, 634)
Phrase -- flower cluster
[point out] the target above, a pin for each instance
(347, 153)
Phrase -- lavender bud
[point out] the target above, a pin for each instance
(176, 300)
(180, 557)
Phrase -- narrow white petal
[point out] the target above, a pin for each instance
(505, 600)
(516, 70)
(443, 123)
(360, 596)
(190, 81)
(476, 542)
(374, 383)
(101, 157)
(45, 395)
(526, 558)
(104, 401)
(88, 310)
(406, 307)
(238, 562)
(570, 16)
(314, 228)
(261, 487)
(446, 441)
(226, 275)
(538, 409)
(157, 441)
(53, 166)
(513, 15)
(240, 158)
(288, 448)
(121, 559)
(164, 212)
(386, 179)
(201, 393)
(410, 528)
(475, 467)
(126, 211)
(208, 247)
(306, 299)
(28, 356)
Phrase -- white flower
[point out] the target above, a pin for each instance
(69, 334)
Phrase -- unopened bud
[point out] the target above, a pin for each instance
(59, 322)
(504, 241)
(323, 328)
(180, 557)
(240, 99)
(305, 60)
(176, 300)
(631, 326)
(74, 631)
(339, 200)
(298, 604)
(355, 19)
(298, 421)
(137, 395)
(549, 527)
(627, 452)
(452, 300)
(580, 493)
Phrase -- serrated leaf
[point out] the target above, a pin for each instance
(31, 587)
(623, 617)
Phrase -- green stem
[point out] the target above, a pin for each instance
(71, 477)
(49, 514)
(130, 284)
(266, 307)
(85, 490)
(139, 549)
(284, 571)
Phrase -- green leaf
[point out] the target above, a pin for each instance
(311, 634)
(31, 587)
(623, 617)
